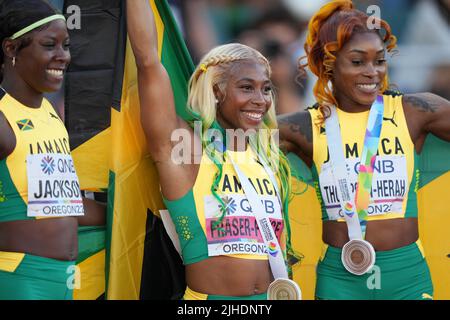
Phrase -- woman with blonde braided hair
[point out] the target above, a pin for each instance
(230, 95)
(362, 143)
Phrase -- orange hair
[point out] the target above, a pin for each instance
(328, 31)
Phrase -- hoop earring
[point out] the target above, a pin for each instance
(14, 61)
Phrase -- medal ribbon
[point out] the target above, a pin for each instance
(356, 222)
(369, 155)
(276, 260)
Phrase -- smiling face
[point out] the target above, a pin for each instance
(246, 98)
(43, 62)
(359, 71)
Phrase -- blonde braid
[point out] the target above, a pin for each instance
(214, 61)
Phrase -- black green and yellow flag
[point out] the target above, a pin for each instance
(102, 116)
(133, 192)
(25, 124)
(92, 89)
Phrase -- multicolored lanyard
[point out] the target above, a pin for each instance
(369, 155)
(276, 260)
(356, 223)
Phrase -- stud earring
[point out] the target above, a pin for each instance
(14, 61)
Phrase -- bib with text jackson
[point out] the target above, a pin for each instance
(53, 187)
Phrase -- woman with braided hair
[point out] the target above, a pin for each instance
(222, 248)
(362, 143)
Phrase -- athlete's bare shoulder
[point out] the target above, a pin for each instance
(298, 123)
(296, 129)
(427, 113)
(7, 137)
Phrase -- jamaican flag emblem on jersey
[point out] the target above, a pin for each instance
(25, 124)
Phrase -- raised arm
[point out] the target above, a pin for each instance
(427, 113)
(296, 134)
(158, 116)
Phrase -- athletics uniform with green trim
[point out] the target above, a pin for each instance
(37, 131)
(399, 274)
(194, 215)
(394, 188)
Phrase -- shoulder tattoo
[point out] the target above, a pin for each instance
(299, 123)
(420, 103)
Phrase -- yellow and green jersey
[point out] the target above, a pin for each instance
(395, 178)
(237, 235)
(37, 131)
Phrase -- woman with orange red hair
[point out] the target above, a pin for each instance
(362, 143)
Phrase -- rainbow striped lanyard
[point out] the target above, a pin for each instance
(356, 223)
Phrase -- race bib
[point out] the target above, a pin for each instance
(238, 233)
(389, 186)
(53, 187)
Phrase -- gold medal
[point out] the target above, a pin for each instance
(284, 289)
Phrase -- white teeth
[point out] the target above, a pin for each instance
(368, 86)
(254, 115)
(54, 72)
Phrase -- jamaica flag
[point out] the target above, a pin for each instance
(92, 89)
(102, 116)
(25, 124)
(134, 194)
